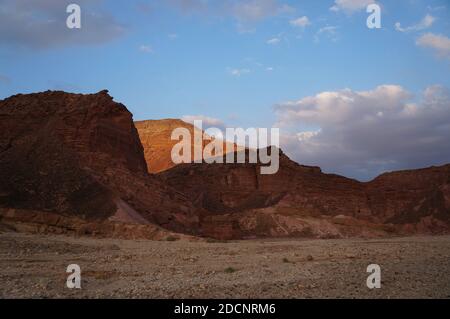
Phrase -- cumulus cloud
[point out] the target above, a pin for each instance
(363, 133)
(425, 23)
(300, 22)
(439, 43)
(350, 6)
(42, 24)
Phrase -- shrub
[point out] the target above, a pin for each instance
(230, 270)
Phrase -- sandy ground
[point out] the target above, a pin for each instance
(34, 266)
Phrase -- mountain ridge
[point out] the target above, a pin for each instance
(81, 155)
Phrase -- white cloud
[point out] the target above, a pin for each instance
(172, 36)
(439, 43)
(329, 31)
(238, 72)
(270, 69)
(425, 23)
(273, 41)
(307, 135)
(146, 49)
(350, 6)
(300, 22)
(362, 133)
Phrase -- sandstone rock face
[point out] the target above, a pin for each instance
(81, 155)
(303, 201)
(407, 197)
(39, 222)
(155, 136)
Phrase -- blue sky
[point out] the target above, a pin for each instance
(234, 61)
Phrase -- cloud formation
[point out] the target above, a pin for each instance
(300, 22)
(425, 23)
(273, 41)
(329, 31)
(363, 133)
(439, 43)
(42, 24)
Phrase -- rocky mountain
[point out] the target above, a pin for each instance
(80, 155)
(155, 136)
(78, 163)
(302, 201)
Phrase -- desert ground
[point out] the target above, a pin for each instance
(34, 266)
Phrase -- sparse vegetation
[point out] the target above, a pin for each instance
(172, 238)
(255, 270)
(230, 270)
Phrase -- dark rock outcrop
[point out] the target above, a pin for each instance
(81, 155)
(302, 201)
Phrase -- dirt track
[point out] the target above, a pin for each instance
(34, 266)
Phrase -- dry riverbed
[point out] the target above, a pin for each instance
(34, 266)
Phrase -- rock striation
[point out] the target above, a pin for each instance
(303, 201)
(74, 163)
(80, 155)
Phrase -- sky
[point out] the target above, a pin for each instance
(353, 100)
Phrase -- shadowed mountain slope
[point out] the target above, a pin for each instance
(80, 155)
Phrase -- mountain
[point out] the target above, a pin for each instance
(155, 136)
(80, 155)
(74, 163)
(302, 201)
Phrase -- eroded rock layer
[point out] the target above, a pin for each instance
(81, 155)
(302, 201)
